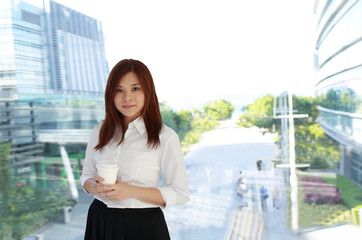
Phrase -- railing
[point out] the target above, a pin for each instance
(347, 125)
(63, 136)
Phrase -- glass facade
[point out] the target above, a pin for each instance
(339, 81)
(52, 53)
(53, 73)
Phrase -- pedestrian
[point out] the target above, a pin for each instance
(263, 197)
(259, 164)
(242, 178)
(275, 196)
(143, 148)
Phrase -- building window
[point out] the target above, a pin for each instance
(30, 17)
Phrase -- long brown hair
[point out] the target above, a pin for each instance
(113, 126)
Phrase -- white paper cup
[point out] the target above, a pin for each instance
(108, 172)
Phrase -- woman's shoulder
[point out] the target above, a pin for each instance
(97, 127)
(167, 133)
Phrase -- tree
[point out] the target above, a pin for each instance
(168, 116)
(312, 144)
(183, 120)
(4, 166)
(305, 105)
(259, 113)
(319, 162)
(218, 110)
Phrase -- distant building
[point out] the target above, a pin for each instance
(52, 54)
(339, 85)
(53, 73)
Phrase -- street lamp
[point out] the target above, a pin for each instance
(293, 176)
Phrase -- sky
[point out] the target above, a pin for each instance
(203, 50)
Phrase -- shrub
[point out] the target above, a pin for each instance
(350, 192)
(317, 191)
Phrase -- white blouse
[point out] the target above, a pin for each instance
(140, 165)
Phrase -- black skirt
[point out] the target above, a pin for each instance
(105, 223)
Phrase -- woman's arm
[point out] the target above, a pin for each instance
(89, 170)
(176, 189)
(121, 191)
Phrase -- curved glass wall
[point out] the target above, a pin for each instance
(339, 47)
(342, 96)
(339, 79)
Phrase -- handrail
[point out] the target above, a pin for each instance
(347, 114)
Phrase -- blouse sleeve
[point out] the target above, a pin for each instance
(89, 165)
(176, 189)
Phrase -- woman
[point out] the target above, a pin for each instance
(133, 136)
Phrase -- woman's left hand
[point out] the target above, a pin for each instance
(116, 192)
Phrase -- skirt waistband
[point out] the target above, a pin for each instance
(126, 210)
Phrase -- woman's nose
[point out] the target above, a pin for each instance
(127, 96)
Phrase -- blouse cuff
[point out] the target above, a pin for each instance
(169, 196)
(82, 181)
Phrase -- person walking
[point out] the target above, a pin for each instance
(275, 196)
(263, 197)
(133, 136)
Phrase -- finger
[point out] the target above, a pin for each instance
(98, 179)
(109, 195)
(105, 188)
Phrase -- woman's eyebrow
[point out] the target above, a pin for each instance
(134, 84)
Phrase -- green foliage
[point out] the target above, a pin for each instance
(168, 116)
(319, 162)
(314, 146)
(24, 209)
(343, 99)
(355, 215)
(53, 150)
(183, 120)
(323, 215)
(189, 125)
(4, 166)
(351, 193)
(203, 125)
(218, 110)
(259, 113)
(192, 138)
(305, 105)
(320, 214)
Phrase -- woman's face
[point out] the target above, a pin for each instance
(129, 99)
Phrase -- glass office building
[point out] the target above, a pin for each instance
(339, 83)
(53, 73)
(52, 54)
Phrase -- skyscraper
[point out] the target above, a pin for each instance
(51, 53)
(339, 84)
(53, 73)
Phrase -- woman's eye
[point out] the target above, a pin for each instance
(135, 89)
(119, 90)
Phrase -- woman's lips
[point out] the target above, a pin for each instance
(128, 106)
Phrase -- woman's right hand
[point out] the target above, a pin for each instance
(91, 185)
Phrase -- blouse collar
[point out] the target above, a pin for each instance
(139, 124)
